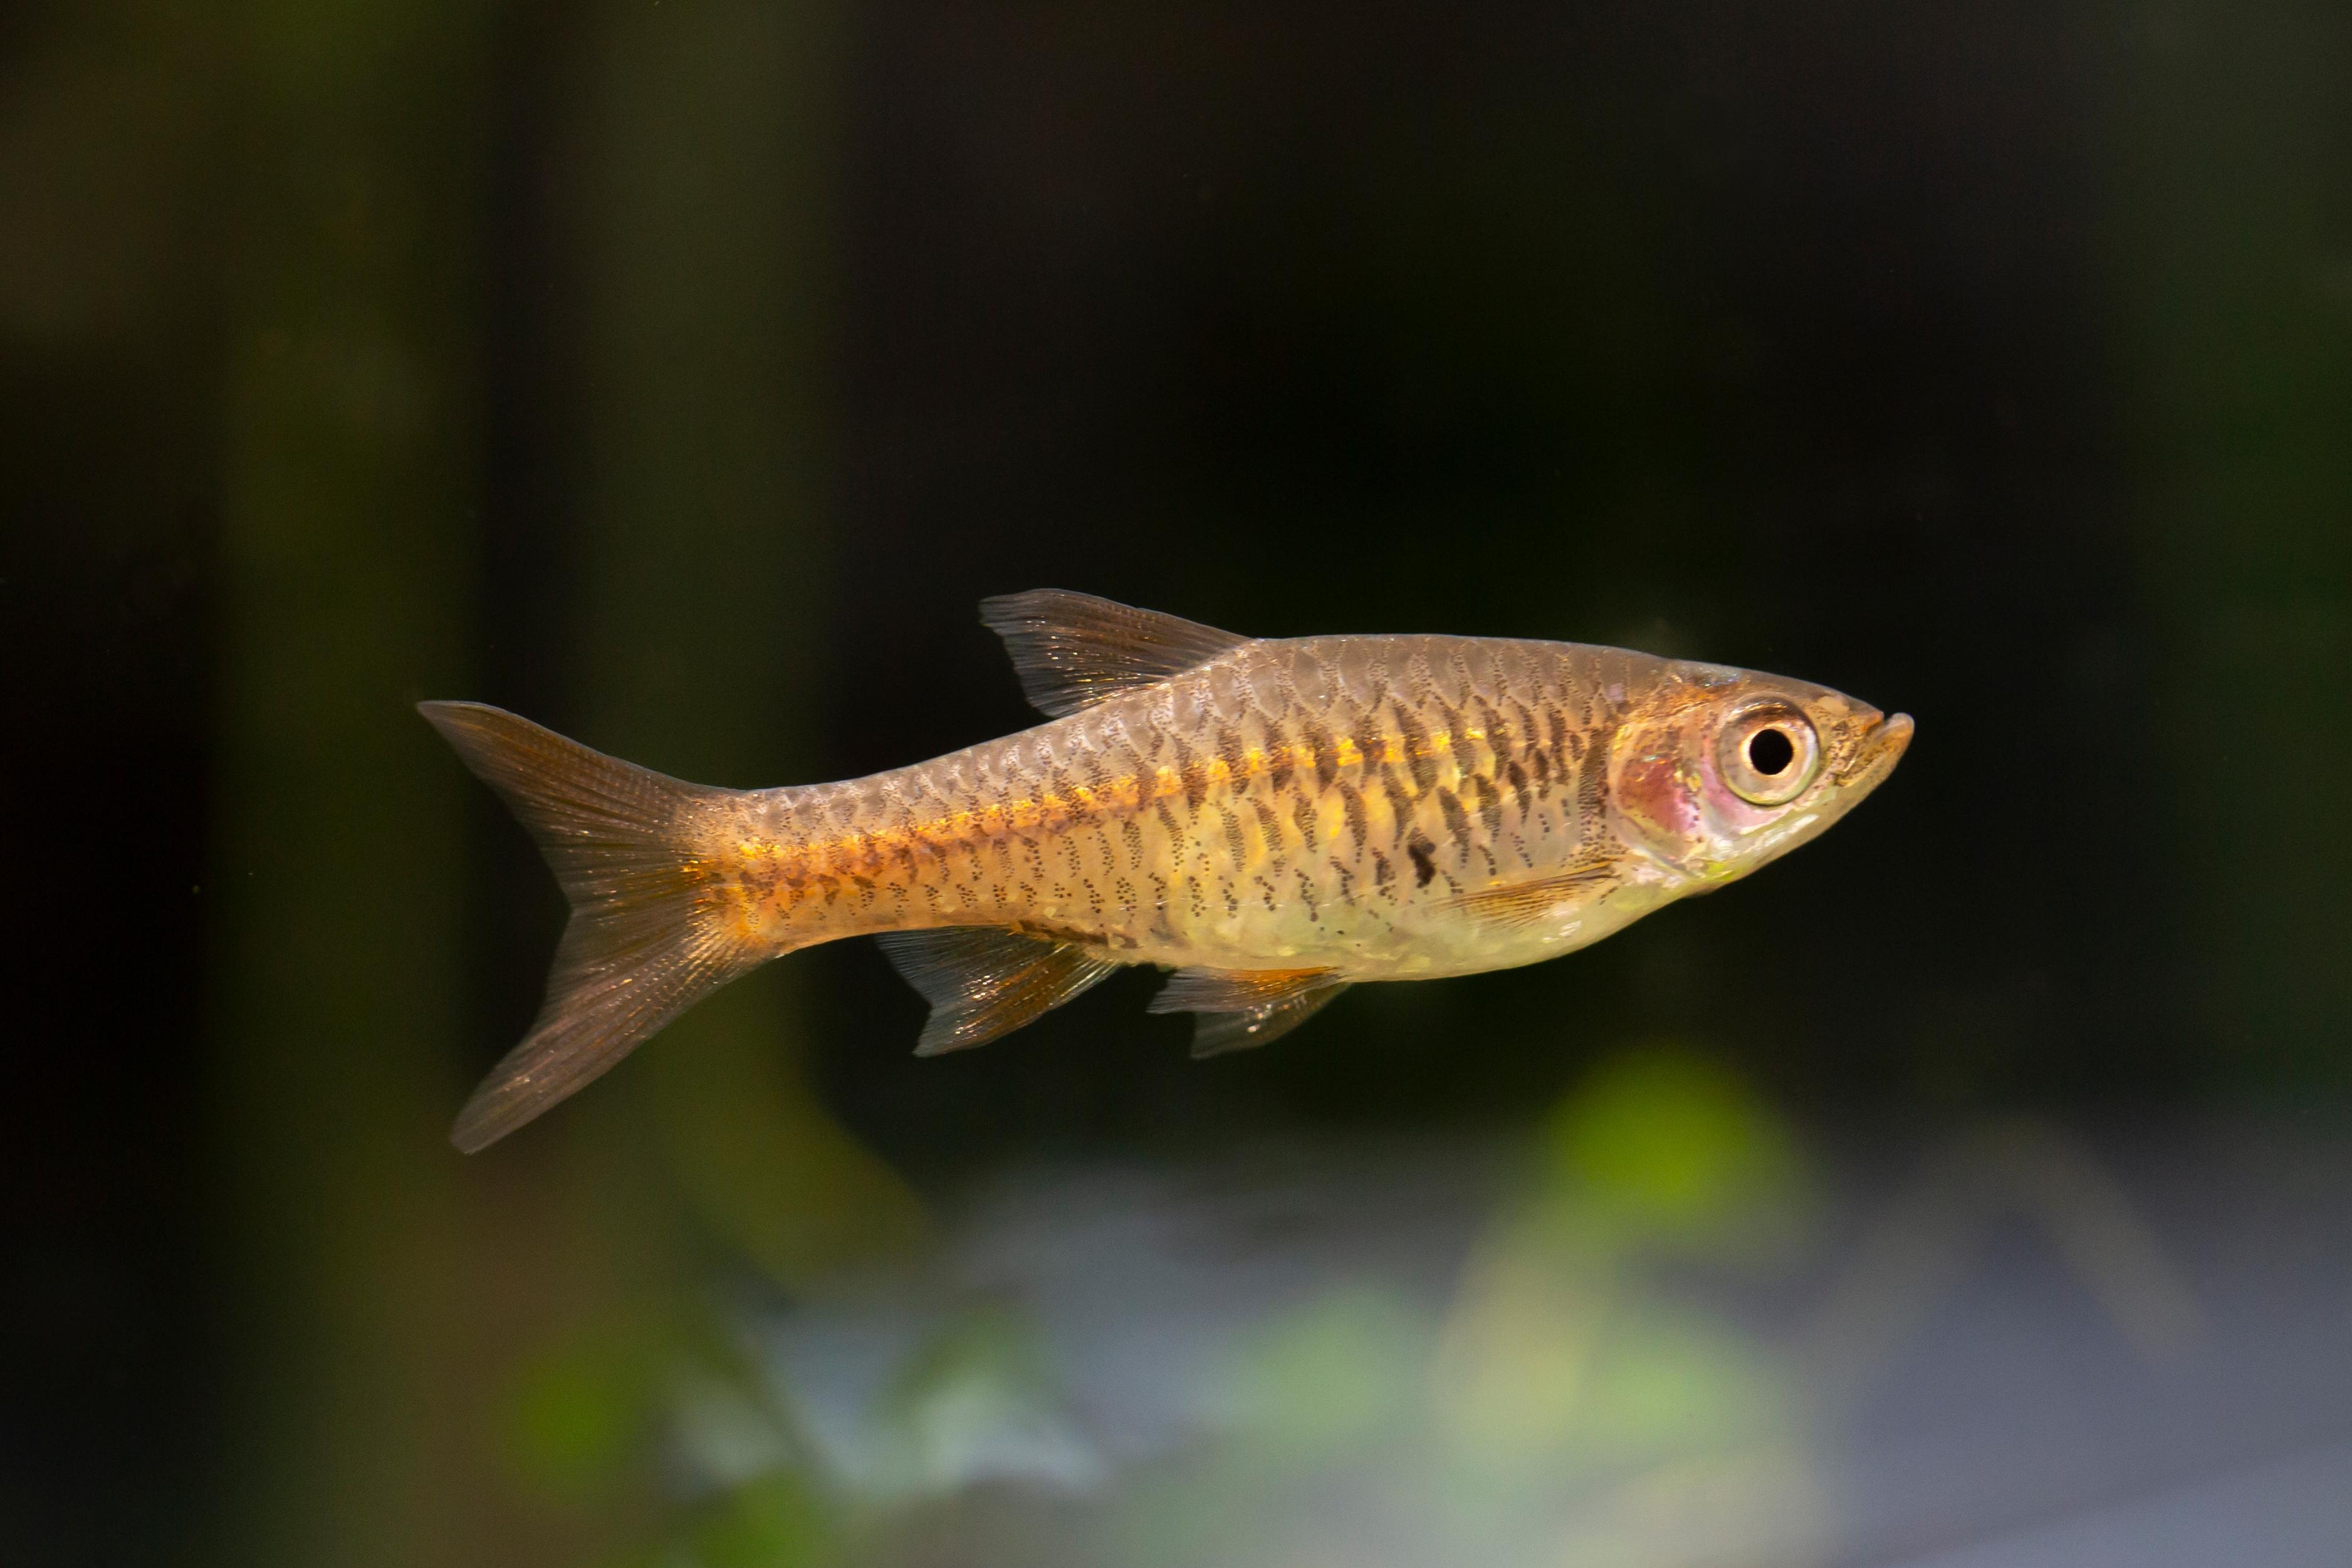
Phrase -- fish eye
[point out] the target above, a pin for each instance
(1769, 756)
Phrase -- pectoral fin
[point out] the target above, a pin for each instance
(985, 981)
(1073, 650)
(1516, 905)
(1233, 1009)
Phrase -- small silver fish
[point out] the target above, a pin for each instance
(1274, 820)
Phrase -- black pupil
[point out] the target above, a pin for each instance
(1770, 752)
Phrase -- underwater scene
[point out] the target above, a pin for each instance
(874, 783)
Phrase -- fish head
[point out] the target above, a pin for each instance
(1715, 772)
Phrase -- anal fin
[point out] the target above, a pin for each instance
(986, 981)
(1236, 1009)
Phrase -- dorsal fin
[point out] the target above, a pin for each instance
(1073, 650)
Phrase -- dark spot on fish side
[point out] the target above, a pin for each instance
(1415, 744)
(1425, 861)
(1499, 733)
(1400, 799)
(1326, 761)
(1196, 777)
(1490, 802)
(1457, 821)
(1359, 828)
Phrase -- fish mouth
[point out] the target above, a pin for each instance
(1881, 747)
(1894, 735)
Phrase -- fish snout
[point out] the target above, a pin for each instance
(1881, 744)
(1894, 736)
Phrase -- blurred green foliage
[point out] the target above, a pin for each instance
(588, 1406)
(1328, 1377)
(1665, 1146)
(776, 1522)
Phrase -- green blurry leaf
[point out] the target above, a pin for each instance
(1663, 1144)
(1332, 1375)
(1666, 1381)
(1516, 1350)
(583, 1409)
(776, 1522)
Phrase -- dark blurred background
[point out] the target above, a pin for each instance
(681, 373)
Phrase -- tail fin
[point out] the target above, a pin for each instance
(641, 948)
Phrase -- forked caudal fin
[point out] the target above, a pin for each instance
(651, 934)
(641, 948)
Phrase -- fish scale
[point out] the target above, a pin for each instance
(1210, 818)
(1275, 819)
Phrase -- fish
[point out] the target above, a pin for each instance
(1272, 819)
